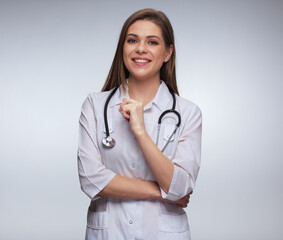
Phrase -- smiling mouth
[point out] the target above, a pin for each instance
(139, 60)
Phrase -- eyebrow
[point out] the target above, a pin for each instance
(149, 36)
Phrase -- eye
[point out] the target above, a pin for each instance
(153, 42)
(131, 40)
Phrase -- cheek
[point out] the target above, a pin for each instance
(160, 54)
(126, 54)
(125, 59)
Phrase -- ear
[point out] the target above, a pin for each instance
(169, 52)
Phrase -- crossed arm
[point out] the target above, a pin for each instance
(159, 164)
(124, 187)
(106, 183)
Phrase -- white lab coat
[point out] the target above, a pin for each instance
(119, 219)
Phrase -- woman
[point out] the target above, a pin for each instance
(139, 187)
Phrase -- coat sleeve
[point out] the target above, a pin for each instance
(187, 158)
(93, 175)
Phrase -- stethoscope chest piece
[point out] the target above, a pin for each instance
(108, 142)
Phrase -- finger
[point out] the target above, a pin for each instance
(127, 109)
(184, 205)
(126, 115)
(131, 106)
(189, 195)
(124, 112)
(120, 110)
(129, 100)
(183, 202)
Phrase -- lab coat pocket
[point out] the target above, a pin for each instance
(98, 220)
(173, 223)
(172, 218)
(97, 216)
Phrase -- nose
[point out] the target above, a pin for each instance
(141, 48)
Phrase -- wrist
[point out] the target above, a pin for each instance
(140, 134)
(155, 193)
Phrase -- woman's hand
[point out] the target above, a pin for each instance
(183, 202)
(133, 112)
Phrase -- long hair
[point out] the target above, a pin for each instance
(118, 72)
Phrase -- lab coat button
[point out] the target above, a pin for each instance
(130, 222)
(133, 165)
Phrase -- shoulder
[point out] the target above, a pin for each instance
(189, 110)
(97, 96)
(188, 106)
(95, 99)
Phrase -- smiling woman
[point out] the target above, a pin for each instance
(150, 166)
(145, 50)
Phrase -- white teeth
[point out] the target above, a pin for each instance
(141, 60)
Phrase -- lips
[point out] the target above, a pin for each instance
(139, 61)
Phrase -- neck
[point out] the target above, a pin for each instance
(143, 91)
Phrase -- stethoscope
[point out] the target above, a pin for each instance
(109, 142)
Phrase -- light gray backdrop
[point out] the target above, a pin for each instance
(229, 62)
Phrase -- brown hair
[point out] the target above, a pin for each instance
(118, 72)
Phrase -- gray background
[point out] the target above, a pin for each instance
(229, 62)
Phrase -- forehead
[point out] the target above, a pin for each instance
(145, 27)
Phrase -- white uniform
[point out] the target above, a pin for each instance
(123, 219)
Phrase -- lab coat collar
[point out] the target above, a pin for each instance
(119, 95)
(161, 99)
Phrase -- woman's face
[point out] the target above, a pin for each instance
(145, 51)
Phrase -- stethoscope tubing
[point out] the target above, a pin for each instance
(109, 142)
(105, 111)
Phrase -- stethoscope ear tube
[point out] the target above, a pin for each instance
(170, 111)
(108, 142)
(176, 127)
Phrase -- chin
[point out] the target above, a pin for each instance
(141, 77)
